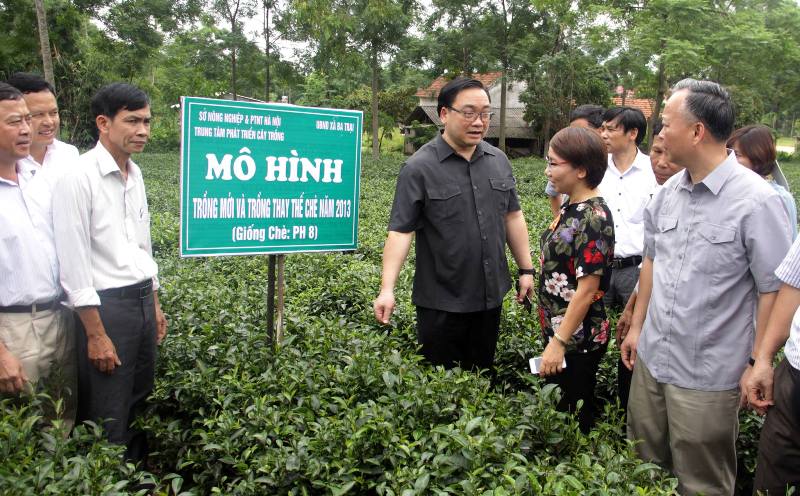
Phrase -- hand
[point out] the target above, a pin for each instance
(161, 323)
(552, 358)
(102, 353)
(525, 288)
(628, 348)
(12, 376)
(743, 388)
(384, 306)
(758, 386)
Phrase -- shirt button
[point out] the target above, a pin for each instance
(485, 262)
(713, 238)
(480, 213)
(474, 187)
(484, 238)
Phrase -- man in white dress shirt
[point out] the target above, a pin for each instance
(102, 227)
(36, 339)
(46, 150)
(626, 187)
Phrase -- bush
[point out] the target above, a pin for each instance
(39, 459)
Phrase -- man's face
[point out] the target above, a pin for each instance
(615, 137)
(462, 132)
(127, 132)
(662, 168)
(15, 131)
(44, 117)
(678, 131)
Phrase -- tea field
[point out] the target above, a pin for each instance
(344, 405)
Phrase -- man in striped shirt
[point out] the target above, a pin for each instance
(777, 392)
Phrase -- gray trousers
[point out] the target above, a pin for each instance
(118, 397)
(623, 281)
(691, 433)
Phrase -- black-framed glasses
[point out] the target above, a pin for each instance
(470, 115)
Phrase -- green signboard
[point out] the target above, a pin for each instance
(262, 178)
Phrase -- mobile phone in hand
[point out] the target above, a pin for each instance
(536, 362)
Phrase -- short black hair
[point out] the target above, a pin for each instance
(583, 149)
(448, 94)
(657, 125)
(592, 113)
(629, 118)
(711, 104)
(28, 82)
(112, 98)
(8, 92)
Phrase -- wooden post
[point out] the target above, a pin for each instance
(281, 299)
(271, 300)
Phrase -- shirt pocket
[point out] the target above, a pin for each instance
(501, 192)
(141, 224)
(445, 204)
(665, 231)
(717, 248)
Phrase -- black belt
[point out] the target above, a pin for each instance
(621, 263)
(139, 290)
(36, 307)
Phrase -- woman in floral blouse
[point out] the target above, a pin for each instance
(577, 250)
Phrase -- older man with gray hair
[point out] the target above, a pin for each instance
(714, 236)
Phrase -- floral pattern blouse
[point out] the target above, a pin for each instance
(579, 242)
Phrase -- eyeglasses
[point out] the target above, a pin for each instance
(470, 115)
(552, 163)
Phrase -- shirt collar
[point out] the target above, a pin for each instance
(640, 161)
(717, 178)
(444, 150)
(107, 165)
(25, 172)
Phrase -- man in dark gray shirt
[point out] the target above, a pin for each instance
(714, 235)
(458, 196)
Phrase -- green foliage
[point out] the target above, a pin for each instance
(39, 459)
(345, 405)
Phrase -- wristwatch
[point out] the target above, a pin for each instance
(526, 272)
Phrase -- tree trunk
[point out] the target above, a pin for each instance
(233, 72)
(546, 136)
(501, 138)
(44, 42)
(376, 147)
(266, 51)
(661, 76)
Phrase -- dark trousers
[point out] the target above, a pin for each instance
(623, 281)
(577, 382)
(118, 397)
(778, 465)
(453, 339)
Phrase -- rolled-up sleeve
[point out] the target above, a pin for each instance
(767, 239)
(71, 223)
(789, 270)
(409, 199)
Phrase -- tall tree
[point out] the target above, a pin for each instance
(44, 42)
(233, 11)
(371, 28)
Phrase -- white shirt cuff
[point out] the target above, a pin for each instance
(86, 297)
